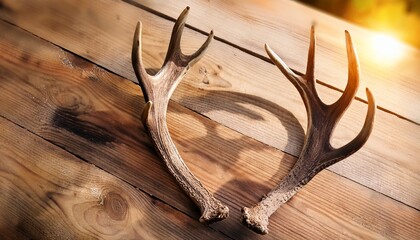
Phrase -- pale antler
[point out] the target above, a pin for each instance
(317, 152)
(157, 91)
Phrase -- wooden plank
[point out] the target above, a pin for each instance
(226, 86)
(284, 25)
(47, 193)
(96, 115)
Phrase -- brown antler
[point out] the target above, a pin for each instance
(157, 91)
(317, 152)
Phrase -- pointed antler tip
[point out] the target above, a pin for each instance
(138, 27)
(137, 37)
(313, 35)
(313, 27)
(269, 51)
(182, 18)
(348, 36)
(137, 32)
(370, 96)
(184, 13)
(351, 51)
(267, 47)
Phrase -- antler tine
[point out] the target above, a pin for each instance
(175, 42)
(174, 46)
(157, 91)
(193, 58)
(361, 138)
(137, 62)
(310, 67)
(317, 152)
(175, 60)
(305, 84)
(353, 78)
(295, 79)
(310, 91)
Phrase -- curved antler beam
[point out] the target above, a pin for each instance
(157, 91)
(317, 152)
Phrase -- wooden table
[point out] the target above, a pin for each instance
(76, 162)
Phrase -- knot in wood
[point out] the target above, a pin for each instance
(115, 206)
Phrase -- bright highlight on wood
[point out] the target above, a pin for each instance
(386, 49)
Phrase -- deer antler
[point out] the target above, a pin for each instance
(317, 152)
(157, 91)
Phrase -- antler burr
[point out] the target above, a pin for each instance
(317, 152)
(157, 91)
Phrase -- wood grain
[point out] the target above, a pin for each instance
(96, 115)
(228, 86)
(47, 193)
(285, 26)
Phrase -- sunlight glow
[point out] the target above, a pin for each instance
(386, 49)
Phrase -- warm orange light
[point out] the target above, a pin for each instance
(386, 49)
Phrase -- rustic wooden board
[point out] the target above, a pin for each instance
(48, 193)
(95, 115)
(227, 86)
(284, 25)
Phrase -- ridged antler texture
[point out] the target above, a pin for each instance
(317, 152)
(157, 91)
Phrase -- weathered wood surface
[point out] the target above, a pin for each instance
(231, 87)
(48, 193)
(95, 115)
(285, 26)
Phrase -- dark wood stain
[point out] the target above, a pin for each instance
(4, 7)
(38, 201)
(70, 120)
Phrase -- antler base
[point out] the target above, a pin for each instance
(256, 219)
(217, 212)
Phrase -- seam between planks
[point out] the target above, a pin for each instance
(257, 55)
(98, 167)
(110, 71)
